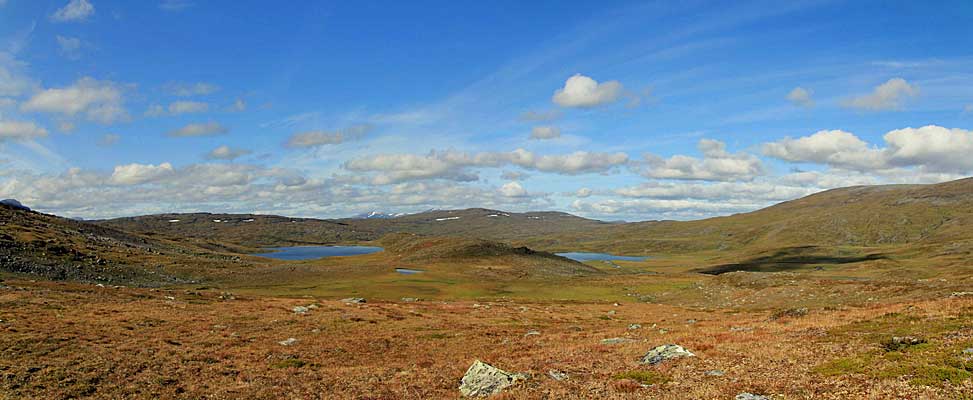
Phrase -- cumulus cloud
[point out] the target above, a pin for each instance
(836, 148)
(545, 132)
(134, 174)
(187, 107)
(931, 148)
(109, 139)
(890, 95)
(800, 97)
(452, 165)
(584, 92)
(199, 129)
(513, 189)
(20, 130)
(75, 10)
(190, 89)
(226, 153)
(716, 165)
(583, 192)
(99, 101)
(321, 138)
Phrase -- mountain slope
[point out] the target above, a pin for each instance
(65, 249)
(938, 215)
(269, 230)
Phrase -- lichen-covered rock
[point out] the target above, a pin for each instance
(665, 353)
(353, 300)
(751, 396)
(483, 379)
(616, 340)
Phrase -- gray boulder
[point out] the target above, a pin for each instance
(665, 353)
(616, 340)
(482, 380)
(353, 300)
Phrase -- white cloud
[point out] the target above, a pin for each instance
(545, 132)
(931, 148)
(187, 107)
(70, 47)
(99, 101)
(583, 192)
(890, 95)
(320, 138)
(452, 165)
(17, 130)
(13, 78)
(135, 174)
(836, 148)
(190, 89)
(513, 189)
(716, 165)
(75, 10)
(226, 153)
(968, 109)
(109, 139)
(800, 97)
(199, 129)
(582, 91)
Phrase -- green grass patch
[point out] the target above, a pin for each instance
(643, 377)
(844, 366)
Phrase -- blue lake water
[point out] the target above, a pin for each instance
(406, 271)
(313, 252)
(580, 256)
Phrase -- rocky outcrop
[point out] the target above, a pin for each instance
(665, 353)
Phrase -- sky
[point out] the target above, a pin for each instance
(611, 110)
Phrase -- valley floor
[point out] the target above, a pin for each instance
(66, 340)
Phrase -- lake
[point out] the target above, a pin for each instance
(406, 271)
(581, 256)
(314, 252)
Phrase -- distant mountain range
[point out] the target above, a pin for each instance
(378, 215)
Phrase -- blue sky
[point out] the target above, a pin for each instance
(629, 110)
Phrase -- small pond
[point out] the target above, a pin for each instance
(580, 256)
(313, 252)
(406, 271)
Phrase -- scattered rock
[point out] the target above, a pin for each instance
(482, 380)
(557, 375)
(409, 299)
(353, 300)
(170, 298)
(665, 353)
(612, 312)
(714, 372)
(635, 326)
(897, 343)
(227, 296)
(740, 329)
(616, 340)
(532, 333)
(690, 321)
(288, 342)
(751, 396)
(300, 310)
